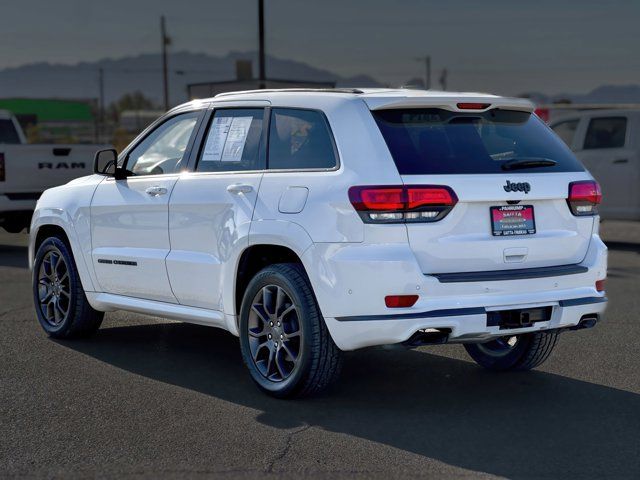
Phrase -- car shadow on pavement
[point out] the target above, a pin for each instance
(517, 425)
(14, 256)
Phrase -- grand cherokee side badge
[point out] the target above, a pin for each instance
(517, 187)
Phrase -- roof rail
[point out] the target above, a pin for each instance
(272, 90)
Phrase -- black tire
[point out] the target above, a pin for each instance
(78, 319)
(529, 351)
(317, 360)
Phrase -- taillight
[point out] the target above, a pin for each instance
(399, 204)
(600, 285)
(584, 197)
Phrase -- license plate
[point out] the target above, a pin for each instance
(509, 220)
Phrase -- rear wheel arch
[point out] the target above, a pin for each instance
(253, 259)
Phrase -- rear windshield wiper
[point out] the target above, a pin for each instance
(517, 164)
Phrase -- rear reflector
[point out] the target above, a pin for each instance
(403, 203)
(473, 106)
(600, 285)
(400, 301)
(584, 197)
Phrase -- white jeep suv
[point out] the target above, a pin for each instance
(308, 222)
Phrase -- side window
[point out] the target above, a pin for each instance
(566, 130)
(233, 141)
(164, 148)
(606, 132)
(300, 139)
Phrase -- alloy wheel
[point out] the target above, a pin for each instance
(54, 287)
(275, 334)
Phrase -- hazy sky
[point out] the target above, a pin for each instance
(505, 46)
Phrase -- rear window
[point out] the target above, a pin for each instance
(439, 142)
(300, 139)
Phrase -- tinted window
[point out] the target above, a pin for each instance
(435, 141)
(606, 133)
(233, 141)
(566, 130)
(8, 132)
(300, 139)
(164, 148)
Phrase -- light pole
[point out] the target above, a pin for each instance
(261, 60)
(165, 42)
(427, 66)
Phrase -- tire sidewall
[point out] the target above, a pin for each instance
(55, 244)
(271, 276)
(501, 362)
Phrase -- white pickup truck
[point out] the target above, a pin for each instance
(607, 142)
(28, 170)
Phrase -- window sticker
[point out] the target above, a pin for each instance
(226, 139)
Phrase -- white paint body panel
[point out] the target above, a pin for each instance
(209, 228)
(130, 225)
(188, 243)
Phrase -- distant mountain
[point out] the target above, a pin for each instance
(603, 94)
(143, 72)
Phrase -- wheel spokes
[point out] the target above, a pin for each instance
(274, 333)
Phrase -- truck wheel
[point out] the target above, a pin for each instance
(284, 341)
(516, 352)
(61, 305)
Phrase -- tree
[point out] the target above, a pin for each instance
(131, 101)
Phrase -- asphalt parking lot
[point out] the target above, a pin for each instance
(158, 399)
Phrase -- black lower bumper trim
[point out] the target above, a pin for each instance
(451, 312)
(516, 274)
(573, 302)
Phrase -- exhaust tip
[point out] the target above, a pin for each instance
(587, 321)
(428, 336)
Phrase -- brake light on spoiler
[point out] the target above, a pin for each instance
(401, 204)
(584, 197)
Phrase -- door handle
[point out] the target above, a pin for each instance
(240, 188)
(156, 191)
(621, 160)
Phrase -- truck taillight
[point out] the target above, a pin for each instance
(404, 203)
(584, 197)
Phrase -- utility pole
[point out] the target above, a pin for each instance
(166, 41)
(261, 60)
(427, 72)
(443, 79)
(101, 101)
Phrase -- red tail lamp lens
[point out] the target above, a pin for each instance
(381, 198)
(402, 203)
(418, 197)
(400, 301)
(584, 197)
(600, 285)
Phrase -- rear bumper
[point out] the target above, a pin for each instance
(351, 281)
(464, 325)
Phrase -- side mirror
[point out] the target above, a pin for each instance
(106, 162)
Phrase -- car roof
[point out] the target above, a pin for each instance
(375, 98)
